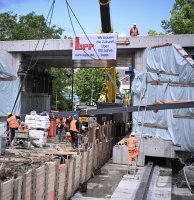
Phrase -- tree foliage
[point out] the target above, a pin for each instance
(154, 33)
(32, 26)
(89, 83)
(182, 18)
(26, 27)
(60, 83)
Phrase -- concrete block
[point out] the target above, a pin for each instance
(50, 181)
(38, 183)
(160, 186)
(61, 179)
(157, 147)
(141, 160)
(70, 178)
(120, 154)
(100, 155)
(89, 168)
(6, 190)
(27, 185)
(83, 167)
(77, 172)
(114, 169)
(17, 188)
(128, 186)
(95, 158)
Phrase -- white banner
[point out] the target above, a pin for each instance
(100, 46)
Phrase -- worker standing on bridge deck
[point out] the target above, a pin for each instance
(132, 144)
(12, 123)
(134, 30)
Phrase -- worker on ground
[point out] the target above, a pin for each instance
(23, 127)
(132, 144)
(74, 130)
(12, 124)
(60, 130)
(134, 30)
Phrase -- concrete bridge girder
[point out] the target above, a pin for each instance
(58, 53)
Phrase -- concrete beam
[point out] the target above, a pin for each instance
(141, 42)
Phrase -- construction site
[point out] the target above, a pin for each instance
(37, 163)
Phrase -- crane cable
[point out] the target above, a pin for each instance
(31, 65)
(105, 68)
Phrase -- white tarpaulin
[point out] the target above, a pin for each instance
(169, 77)
(98, 46)
(9, 87)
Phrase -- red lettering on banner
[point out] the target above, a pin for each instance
(79, 46)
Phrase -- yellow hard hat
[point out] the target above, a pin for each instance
(9, 113)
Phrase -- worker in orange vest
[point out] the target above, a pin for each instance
(74, 130)
(12, 123)
(132, 144)
(134, 30)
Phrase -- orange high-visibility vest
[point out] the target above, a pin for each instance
(73, 126)
(134, 32)
(132, 143)
(13, 122)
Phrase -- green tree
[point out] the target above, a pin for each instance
(32, 26)
(89, 84)
(182, 18)
(8, 26)
(60, 83)
(26, 27)
(154, 33)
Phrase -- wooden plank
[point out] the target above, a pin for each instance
(77, 172)
(70, 178)
(18, 188)
(7, 190)
(61, 179)
(27, 185)
(50, 169)
(55, 152)
(89, 168)
(154, 125)
(38, 183)
(184, 116)
(83, 167)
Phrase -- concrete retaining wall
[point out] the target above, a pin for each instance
(59, 181)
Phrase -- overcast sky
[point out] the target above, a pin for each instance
(147, 14)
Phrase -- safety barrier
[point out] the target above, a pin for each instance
(60, 181)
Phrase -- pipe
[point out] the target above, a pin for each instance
(105, 16)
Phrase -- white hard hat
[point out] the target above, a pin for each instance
(134, 24)
(132, 134)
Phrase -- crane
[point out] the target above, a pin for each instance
(107, 28)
